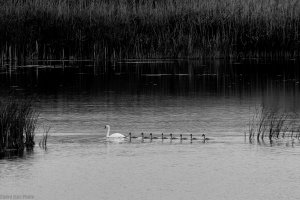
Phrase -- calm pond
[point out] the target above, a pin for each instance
(214, 97)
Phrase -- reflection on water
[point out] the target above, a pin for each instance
(77, 99)
(179, 97)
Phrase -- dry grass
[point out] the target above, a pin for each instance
(115, 29)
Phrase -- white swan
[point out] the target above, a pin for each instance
(114, 135)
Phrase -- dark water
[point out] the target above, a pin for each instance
(215, 97)
(159, 96)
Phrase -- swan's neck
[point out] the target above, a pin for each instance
(108, 130)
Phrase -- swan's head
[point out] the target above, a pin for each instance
(106, 126)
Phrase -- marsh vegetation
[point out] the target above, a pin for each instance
(273, 125)
(18, 121)
(119, 29)
(44, 139)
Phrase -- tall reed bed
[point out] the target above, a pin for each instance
(17, 125)
(112, 29)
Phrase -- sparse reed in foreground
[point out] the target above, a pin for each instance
(17, 125)
(43, 141)
(273, 125)
(115, 29)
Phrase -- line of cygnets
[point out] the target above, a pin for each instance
(151, 137)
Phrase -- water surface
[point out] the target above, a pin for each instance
(77, 99)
